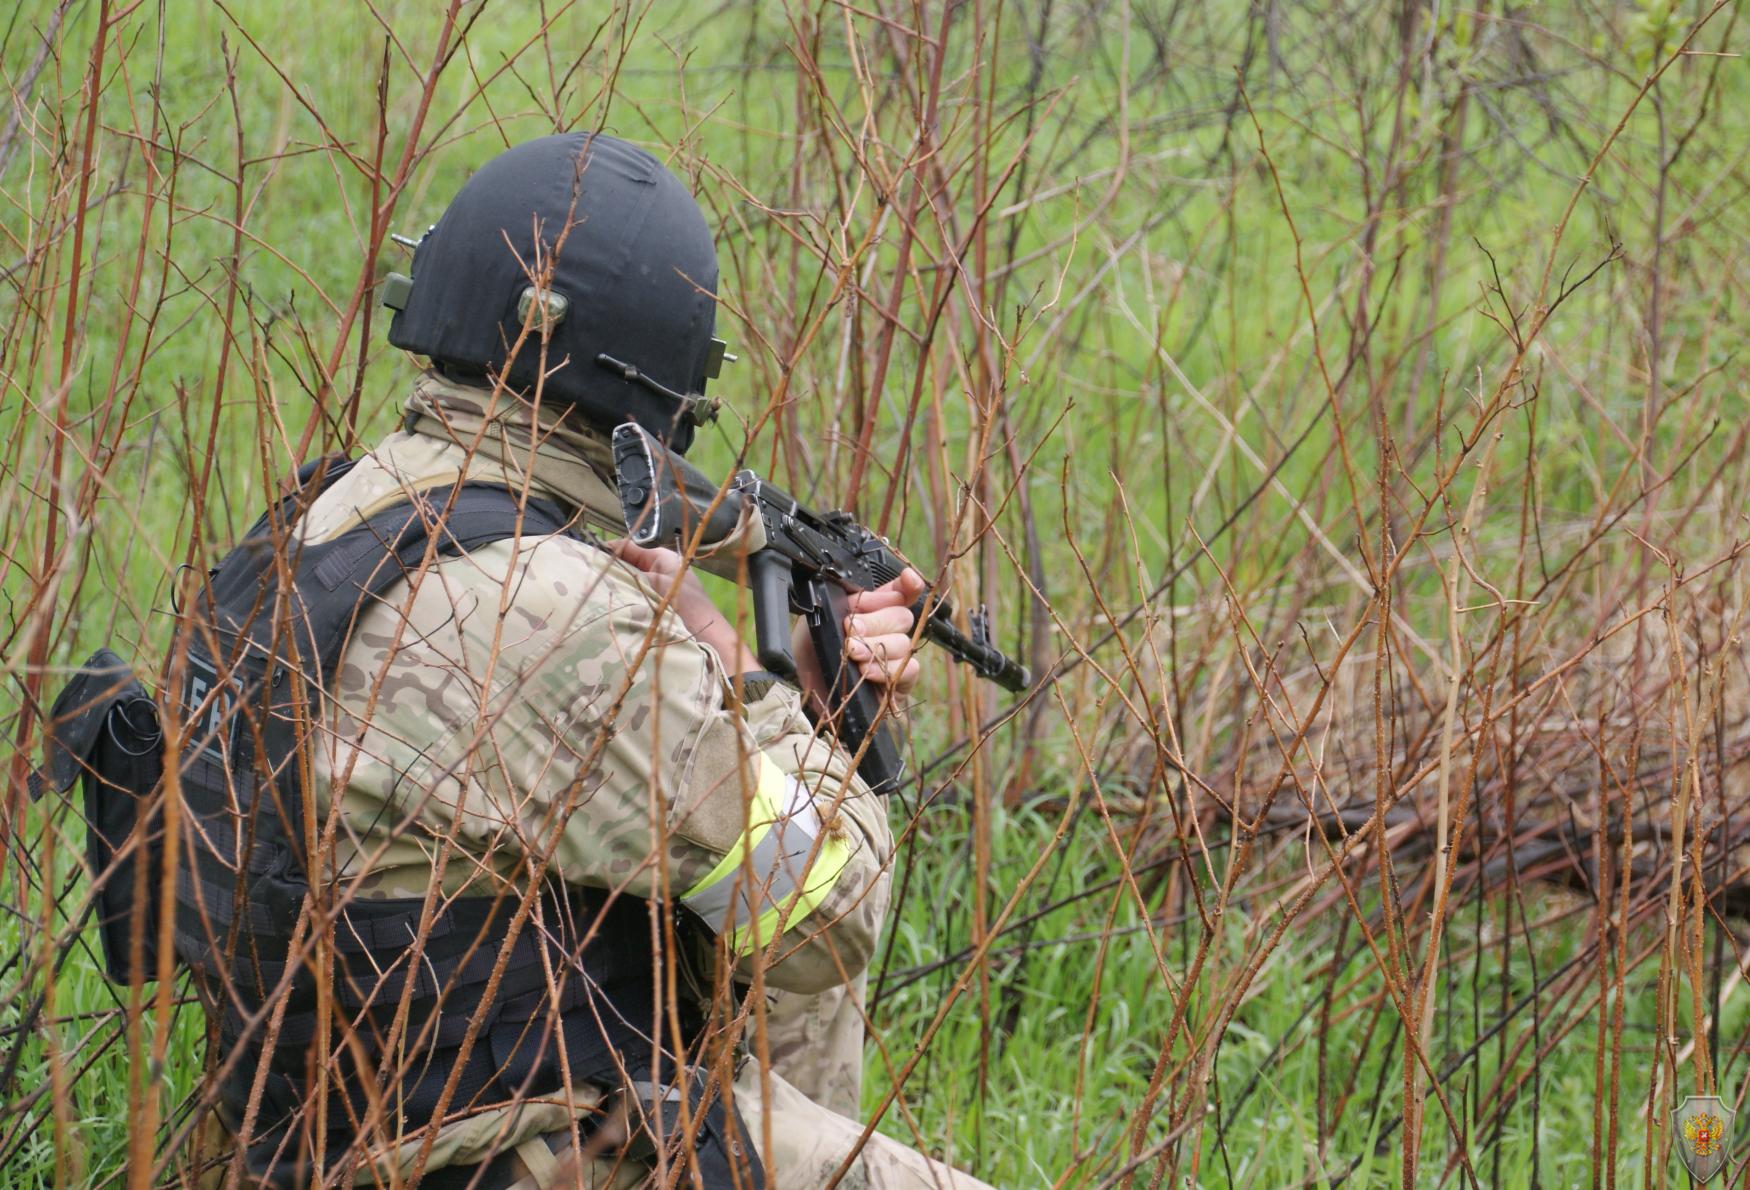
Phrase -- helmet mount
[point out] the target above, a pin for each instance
(695, 409)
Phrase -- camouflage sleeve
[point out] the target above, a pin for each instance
(849, 918)
(819, 930)
(535, 701)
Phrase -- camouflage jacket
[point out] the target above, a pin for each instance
(533, 699)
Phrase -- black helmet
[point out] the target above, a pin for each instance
(632, 300)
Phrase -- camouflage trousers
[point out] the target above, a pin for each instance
(816, 1047)
(809, 1097)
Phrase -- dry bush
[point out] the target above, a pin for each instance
(1339, 406)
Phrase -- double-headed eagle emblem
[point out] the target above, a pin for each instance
(1703, 1130)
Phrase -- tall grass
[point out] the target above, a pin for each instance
(1342, 408)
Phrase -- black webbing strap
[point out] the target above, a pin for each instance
(337, 579)
(334, 579)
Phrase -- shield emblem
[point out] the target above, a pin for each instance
(1703, 1126)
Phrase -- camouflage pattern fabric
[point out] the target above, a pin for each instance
(810, 1144)
(533, 700)
(816, 1043)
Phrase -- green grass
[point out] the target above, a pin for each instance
(997, 1088)
(1021, 1127)
(1020, 1124)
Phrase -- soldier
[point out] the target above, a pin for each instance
(596, 896)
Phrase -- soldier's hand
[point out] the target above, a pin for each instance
(701, 617)
(878, 639)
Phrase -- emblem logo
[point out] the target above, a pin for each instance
(203, 694)
(1703, 1125)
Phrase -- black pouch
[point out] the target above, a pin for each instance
(104, 731)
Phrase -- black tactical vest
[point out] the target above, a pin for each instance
(264, 642)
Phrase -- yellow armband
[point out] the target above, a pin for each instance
(767, 877)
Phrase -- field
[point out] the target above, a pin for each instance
(1342, 409)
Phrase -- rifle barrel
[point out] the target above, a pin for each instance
(986, 660)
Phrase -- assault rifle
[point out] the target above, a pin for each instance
(797, 561)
